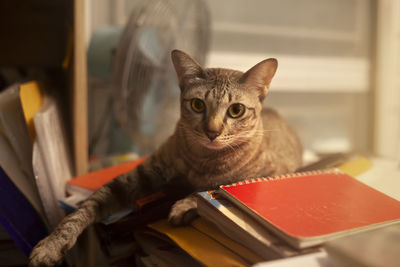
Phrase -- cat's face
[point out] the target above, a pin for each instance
(221, 108)
(218, 112)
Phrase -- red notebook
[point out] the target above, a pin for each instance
(88, 183)
(307, 209)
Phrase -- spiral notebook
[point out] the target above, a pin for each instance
(308, 209)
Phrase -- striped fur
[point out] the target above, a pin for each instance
(259, 143)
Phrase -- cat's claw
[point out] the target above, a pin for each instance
(183, 211)
(44, 254)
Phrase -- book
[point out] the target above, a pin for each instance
(310, 208)
(51, 160)
(244, 229)
(86, 184)
(18, 216)
(356, 166)
(205, 248)
(16, 145)
(14, 126)
(239, 248)
(53, 143)
(31, 100)
(168, 253)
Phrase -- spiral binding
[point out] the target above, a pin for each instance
(285, 176)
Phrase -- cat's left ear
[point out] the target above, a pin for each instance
(186, 68)
(260, 76)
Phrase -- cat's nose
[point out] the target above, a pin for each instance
(212, 134)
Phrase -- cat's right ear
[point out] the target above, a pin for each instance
(260, 76)
(187, 69)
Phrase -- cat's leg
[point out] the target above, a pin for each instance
(51, 250)
(183, 211)
(120, 193)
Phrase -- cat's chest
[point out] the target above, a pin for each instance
(209, 173)
(208, 169)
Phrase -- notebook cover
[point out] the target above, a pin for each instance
(31, 100)
(314, 205)
(18, 216)
(94, 180)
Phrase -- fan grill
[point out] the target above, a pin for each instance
(146, 101)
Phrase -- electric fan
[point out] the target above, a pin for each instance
(145, 88)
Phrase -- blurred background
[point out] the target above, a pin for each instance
(109, 60)
(337, 81)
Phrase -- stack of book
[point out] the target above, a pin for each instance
(262, 220)
(244, 223)
(283, 216)
(35, 164)
(294, 213)
(36, 167)
(248, 222)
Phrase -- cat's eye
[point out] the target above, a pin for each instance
(197, 105)
(236, 110)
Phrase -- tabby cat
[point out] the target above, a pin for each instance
(223, 136)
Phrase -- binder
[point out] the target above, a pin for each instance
(18, 216)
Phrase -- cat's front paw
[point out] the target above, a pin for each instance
(45, 254)
(183, 211)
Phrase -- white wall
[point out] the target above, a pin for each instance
(387, 87)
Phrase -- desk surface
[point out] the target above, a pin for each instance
(383, 176)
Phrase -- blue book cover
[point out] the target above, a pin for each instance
(18, 216)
